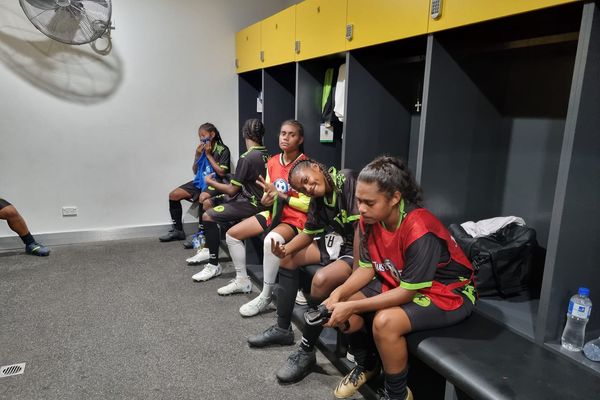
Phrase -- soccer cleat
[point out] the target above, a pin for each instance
(37, 249)
(386, 396)
(188, 243)
(272, 336)
(256, 306)
(237, 285)
(172, 235)
(297, 366)
(202, 255)
(209, 271)
(350, 384)
(301, 299)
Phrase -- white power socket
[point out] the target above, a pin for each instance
(69, 211)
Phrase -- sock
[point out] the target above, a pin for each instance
(27, 239)
(237, 251)
(362, 346)
(270, 264)
(200, 224)
(211, 232)
(395, 385)
(310, 334)
(176, 213)
(288, 287)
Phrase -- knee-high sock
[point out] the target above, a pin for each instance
(200, 224)
(311, 333)
(363, 348)
(213, 238)
(270, 264)
(288, 287)
(237, 251)
(395, 384)
(176, 213)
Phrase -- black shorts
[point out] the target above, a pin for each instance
(345, 255)
(422, 312)
(192, 190)
(262, 219)
(234, 210)
(215, 196)
(4, 203)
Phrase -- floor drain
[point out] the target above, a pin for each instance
(10, 370)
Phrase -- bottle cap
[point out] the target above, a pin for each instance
(583, 291)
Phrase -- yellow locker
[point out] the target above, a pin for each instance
(463, 12)
(320, 28)
(377, 21)
(278, 33)
(247, 48)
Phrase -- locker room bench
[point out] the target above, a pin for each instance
(476, 359)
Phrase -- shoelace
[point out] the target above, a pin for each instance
(355, 374)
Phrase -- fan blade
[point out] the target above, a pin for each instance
(43, 4)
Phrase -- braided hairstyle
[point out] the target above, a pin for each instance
(391, 174)
(208, 127)
(300, 165)
(254, 130)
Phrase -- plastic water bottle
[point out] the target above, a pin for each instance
(578, 315)
(198, 240)
(592, 349)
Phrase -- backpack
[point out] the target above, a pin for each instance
(503, 261)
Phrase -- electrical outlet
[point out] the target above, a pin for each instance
(69, 211)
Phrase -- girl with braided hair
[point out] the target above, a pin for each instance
(216, 157)
(281, 223)
(411, 276)
(243, 201)
(332, 216)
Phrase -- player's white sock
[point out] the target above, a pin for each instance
(237, 251)
(270, 264)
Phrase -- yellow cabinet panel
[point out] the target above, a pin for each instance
(320, 27)
(247, 48)
(464, 12)
(278, 35)
(379, 21)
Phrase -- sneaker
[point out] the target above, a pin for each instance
(37, 249)
(209, 271)
(188, 243)
(255, 306)
(237, 285)
(272, 336)
(301, 299)
(201, 256)
(386, 396)
(298, 365)
(173, 234)
(350, 384)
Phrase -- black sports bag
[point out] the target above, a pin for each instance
(503, 260)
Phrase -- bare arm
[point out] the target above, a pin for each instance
(227, 188)
(299, 242)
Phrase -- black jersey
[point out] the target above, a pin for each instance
(222, 156)
(250, 165)
(339, 213)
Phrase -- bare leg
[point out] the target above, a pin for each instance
(15, 220)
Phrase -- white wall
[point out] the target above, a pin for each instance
(113, 135)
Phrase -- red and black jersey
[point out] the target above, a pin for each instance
(419, 255)
(294, 211)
